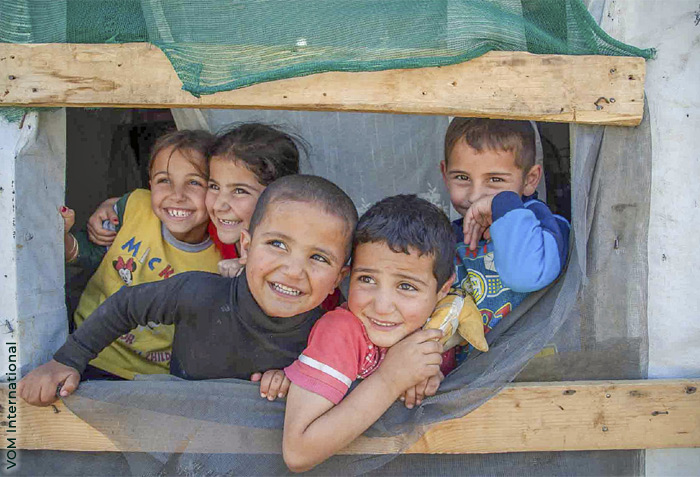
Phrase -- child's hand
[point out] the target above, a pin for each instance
(414, 396)
(477, 221)
(70, 244)
(68, 218)
(230, 268)
(273, 384)
(39, 387)
(412, 360)
(96, 233)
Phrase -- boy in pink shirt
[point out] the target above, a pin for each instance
(402, 266)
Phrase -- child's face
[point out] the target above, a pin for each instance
(470, 175)
(177, 195)
(295, 258)
(393, 294)
(233, 192)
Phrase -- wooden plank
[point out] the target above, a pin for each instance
(523, 417)
(512, 85)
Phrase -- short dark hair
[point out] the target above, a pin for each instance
(517, 137)
(405, 222)
(195, 140)
(267, 151)
(312, 190)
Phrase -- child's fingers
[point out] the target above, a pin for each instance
(431, 356)
(421, 336)
(255, 377)
(70, 384)
(47, 393)
(265, 382)
(433, 384)
(410, 397)
(275, 385)
(284, 389)
(100, 236)
(68, 217)
(230, 267)
(420, 392)
(476, 232)
(430, 347)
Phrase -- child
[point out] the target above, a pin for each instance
(295, 254)
(162, 232)
(509, 244)
(244, 160)
(402, 266)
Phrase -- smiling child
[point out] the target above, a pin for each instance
(161, 232)
(244, 160)
(402, 266)
(295, 254)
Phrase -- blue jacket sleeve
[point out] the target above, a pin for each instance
(530, 243)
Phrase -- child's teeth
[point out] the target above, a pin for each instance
(286, 290)
(387, 325)
(229, 222)
(178, 213)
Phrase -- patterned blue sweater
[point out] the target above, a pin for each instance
(527, 251)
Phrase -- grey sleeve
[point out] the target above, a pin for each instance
(157, 302)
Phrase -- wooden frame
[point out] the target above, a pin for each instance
(512, 85)
(580, 89)
(523, 417)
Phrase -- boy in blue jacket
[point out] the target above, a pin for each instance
(509, 244)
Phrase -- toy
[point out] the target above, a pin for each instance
(459, 319)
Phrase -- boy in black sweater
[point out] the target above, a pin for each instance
(295, 255)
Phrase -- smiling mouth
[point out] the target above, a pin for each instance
(228, 223)
(285, 290)
(386, 325)
(178, 213)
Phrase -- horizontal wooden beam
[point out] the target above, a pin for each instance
(523, 417)
(511, 85)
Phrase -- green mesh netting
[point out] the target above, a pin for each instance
(218, 45)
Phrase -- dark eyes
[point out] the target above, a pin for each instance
(462, 177)
(407, 287)
(320, 258)
(240, 190)
(213, 186)
(365, 279)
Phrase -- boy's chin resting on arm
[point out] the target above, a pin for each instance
(41, 386)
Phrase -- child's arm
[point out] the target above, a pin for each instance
(315, 429)
(530, 243)
(157, 302)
